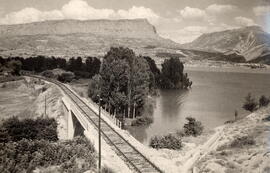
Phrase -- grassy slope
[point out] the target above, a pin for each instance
(15, 98)
(26, 99)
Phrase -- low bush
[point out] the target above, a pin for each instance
(144, 120)
(168, 141)
(250, 104)
(264, 101)
(193, 127)
(229, 121)
(242, 141)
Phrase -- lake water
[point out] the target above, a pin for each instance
(213, 99)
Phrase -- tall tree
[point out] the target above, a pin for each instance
(125, 80)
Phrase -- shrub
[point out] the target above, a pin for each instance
(250, 104)
(264, 101)
(14, 129)
(193, 127)
(242, 141)
(168, 141)
(229, 121)
(144, 120)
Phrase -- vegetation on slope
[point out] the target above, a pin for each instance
(15, 130)
(28, 145)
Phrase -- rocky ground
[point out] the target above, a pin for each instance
(252, 158)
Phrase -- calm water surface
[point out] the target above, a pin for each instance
(213, 99)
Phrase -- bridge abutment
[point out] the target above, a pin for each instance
(74, 127)
(71, 129)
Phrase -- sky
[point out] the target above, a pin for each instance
(179, 20)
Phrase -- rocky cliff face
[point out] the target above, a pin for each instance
(250, 42)
(138, 28)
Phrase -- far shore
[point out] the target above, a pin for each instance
(226, 68)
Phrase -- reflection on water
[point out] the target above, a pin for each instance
(213, 99)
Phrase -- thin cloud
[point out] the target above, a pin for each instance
(192, 13)
(261, 10)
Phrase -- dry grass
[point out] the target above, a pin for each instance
(15, 98)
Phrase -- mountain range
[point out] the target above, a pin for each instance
(67, 38)
(252, 43)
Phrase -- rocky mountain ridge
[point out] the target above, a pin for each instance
(250, 42)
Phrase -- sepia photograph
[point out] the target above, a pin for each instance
(134, 86)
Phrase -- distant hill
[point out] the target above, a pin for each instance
(66, 38)
(252, 43)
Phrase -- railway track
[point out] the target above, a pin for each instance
(126, 151)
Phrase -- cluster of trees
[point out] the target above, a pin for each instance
(252, 105)
(13, 66)
(125, 80)
(173, 76)
(27, 145)
(123, 83)
(39, 64)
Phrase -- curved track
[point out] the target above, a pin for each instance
(126, 151)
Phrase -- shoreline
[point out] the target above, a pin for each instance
(226, 68)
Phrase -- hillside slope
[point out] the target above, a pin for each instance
(78, 38)
(250, 42)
